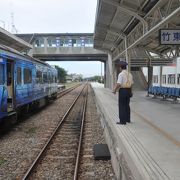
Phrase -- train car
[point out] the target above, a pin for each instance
(166, 81)
(166, 76)
(25, 82)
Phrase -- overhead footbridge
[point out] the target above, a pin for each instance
(64, 47)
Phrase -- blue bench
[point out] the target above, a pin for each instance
(165, 92)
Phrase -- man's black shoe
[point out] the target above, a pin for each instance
(121, 123)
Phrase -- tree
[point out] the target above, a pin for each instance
(62, 73)
(95, 79)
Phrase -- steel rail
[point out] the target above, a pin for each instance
(66, 91)
(80, 138)
(38, 158)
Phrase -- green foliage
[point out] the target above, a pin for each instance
(62, 73)
(95, 79)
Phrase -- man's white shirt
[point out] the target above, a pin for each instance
(125, 77)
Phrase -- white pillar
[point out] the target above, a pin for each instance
(160, 76)
(176, 75)
(109, 72)
(114, 74)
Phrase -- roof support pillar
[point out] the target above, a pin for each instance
(127, 54)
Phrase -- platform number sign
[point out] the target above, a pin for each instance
(169, 36)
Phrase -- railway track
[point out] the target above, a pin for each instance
(66, 91)
(62, 151)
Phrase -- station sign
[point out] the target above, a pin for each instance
(169, 36)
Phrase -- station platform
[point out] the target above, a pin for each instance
(149, 147)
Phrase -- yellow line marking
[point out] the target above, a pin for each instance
(161, 131)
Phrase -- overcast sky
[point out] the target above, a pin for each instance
(53, 16)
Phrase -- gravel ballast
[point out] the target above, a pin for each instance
(24, 141)
(21, 145)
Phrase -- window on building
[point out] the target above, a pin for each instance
(58, 42)
(82, 42)
(39, 42)
(27, 76)
(19, 75)
(88, 42)
(66, 43)
(62, 42)
(164, 79)
(69, 42)
(39, 77)
(52, 42)
(45, 78)
(1, 74)
(178, 78)
(74, 44)
(171, 79)
(155, 79)
(78, 43)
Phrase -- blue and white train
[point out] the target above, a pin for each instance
(25, 82)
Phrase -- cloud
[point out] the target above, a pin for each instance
(50, 15)
(54, 16)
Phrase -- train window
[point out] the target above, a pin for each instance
(27, 76)
(164, 79)
(54, 78)
(51, 78)
(171, 79)
(39, 77)
(155, 79)
(19, 74)
(45, 78)
(178, 78)
(9, 74)
(1, 74)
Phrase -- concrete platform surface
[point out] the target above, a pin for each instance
(149, 147)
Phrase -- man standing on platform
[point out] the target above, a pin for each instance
(124, 85)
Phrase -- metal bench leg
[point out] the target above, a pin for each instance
(175, 100)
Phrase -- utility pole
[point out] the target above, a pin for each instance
(3, 22)
(13, 27)
(101, 73)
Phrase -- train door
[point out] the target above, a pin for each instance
(10, 85)
(3, 90)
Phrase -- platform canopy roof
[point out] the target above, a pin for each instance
(12, 41)
(135, 23)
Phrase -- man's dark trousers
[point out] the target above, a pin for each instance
(124, 108)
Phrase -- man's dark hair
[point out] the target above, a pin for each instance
(123, 67)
